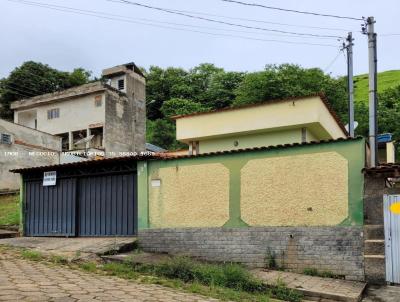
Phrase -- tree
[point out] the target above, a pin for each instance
(205, 84)
(161, 132)
(287, 80)
(181, 106)
(32, 78)
(389, 113)
(220, 92)
(163, 85)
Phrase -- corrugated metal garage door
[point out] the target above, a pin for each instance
(50, 211)
(106, 206)
(82, 206)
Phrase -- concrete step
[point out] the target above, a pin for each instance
(374, 247)
(374, 267)
(138, 257)
(374, 232)
(8, 234)
(315, 288)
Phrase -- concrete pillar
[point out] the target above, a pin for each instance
(390, 153)
(190, 148)
(70, 141)
(87, 135)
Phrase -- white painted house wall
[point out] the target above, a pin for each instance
(75, 114)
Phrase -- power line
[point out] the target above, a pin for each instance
(59, 7)
(32, 92)
(389, 35)
(263, 21)
(180, 29)
(18, 91)
(332, 62)
(219, 21)
(292, 10)
(260, 21)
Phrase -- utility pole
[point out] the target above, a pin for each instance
(373, 84)
(350, 83)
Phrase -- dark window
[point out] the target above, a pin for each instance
(5, 138)
(121, 84)
(98, 101)
(53, 113)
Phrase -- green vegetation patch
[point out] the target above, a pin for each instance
(230, 277)
(387, 79)
(31, 255)
(323, 274)
(9, 210)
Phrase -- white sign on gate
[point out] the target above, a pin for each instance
(391, 206)
(49, 178)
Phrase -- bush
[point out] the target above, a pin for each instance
(280, 291)
(310, 271)
(181, 268)
(225, 275)
(270, 260)
(31, 255)
(89, 266)
(120, 269)
(322, 274)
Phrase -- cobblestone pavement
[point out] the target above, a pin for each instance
(22, 280)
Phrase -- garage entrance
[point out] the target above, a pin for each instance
(96, 199)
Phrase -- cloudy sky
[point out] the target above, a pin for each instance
(103, 33)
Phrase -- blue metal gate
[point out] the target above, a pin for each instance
(83, 205)
(106, 205)
(50, 210)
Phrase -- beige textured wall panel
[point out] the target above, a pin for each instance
(301, 190)
(190, 196)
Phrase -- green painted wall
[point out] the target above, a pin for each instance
(142, 191)
(352, 150)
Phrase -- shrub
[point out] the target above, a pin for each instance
(120, 269)
(177, 268)
(89, 266)
(270, 260)
(230, 275)
(58, 259)
(280, 291)
(31, 255)
(310, 271)
(322, 274)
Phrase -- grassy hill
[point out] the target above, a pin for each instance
(386, 79)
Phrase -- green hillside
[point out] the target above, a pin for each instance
(386, 79)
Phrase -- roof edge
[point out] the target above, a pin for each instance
(164, 156)
(321, 95)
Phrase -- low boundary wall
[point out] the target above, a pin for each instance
(335, 249)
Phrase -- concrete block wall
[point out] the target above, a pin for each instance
(374, 246)
(29, 148)
(335, 249)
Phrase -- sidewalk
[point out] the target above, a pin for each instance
(315, 288)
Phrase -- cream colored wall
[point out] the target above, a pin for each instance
(26, 118)
(390, 153)
(75, 114)
(195, 196)
(272, 116)
(250, 140)
(309, 189)
(311, 137)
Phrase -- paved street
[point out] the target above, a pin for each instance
(383, 294)
(22, 280)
